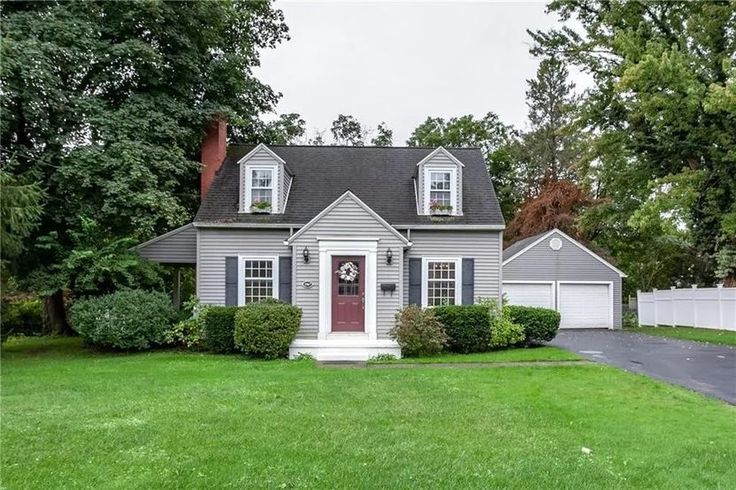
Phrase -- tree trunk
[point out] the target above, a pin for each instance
(54, 313)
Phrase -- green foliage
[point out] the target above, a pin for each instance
(104, 105)
(550, 150)
(346, 130)
(266, 329)
(95, 265)
(504, 332)
(418, 332)
(303, 356)
(22, 316)
(540, 324)
(629, 319)
(20, 210)
(384, 136)
(662, 109)
(467, 326)
(189, 332)
(218, 330)
(382, 358)
(488, 133)
(125, 320)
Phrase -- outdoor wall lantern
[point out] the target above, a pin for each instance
(389, 256)
(305, 254)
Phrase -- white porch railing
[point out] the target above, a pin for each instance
(692, 307)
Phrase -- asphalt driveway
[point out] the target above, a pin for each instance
(707, 368)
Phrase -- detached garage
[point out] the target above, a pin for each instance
(551, 270)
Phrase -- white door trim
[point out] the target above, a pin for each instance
(347, 246)
(610, 296)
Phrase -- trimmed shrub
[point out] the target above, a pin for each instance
(266, 329)
(418, 332)
(218, 328)
(540, 324)
(188, 332)
(467, 326)
(21, 316)
(125, 320)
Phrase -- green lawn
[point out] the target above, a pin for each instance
(534, 354)
(724, 337)
(168, 419)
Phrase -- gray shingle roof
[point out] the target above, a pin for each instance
(382, 177)
(517, 247)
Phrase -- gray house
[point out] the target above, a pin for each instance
(552, 270)
(349, 234)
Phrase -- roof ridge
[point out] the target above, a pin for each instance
(359, 147)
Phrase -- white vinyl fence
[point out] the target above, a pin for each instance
(692, 307)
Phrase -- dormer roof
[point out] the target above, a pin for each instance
(381, 177)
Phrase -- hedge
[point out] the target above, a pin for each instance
(467, 326)
(218, 329)
(418, 332)
(125, 320)
(540, 324)
(266, 329)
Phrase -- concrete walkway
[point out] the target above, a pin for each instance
(707, 368)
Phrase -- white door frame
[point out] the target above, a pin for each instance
(347, 246)
(610, 296)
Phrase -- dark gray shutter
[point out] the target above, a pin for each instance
(231, 281)
(468, 295)
(285, 279)
(415, 282)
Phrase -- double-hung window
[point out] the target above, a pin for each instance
(440, 190)
(261, 185)
(442, 284)
(258, 279)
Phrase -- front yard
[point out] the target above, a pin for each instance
(724, 337)
(169, 419)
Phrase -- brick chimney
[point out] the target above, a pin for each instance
(214, 147)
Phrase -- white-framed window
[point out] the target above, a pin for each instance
(441, 281)
(440, 191)
(260, 186)
(258, 279)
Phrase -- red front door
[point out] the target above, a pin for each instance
(348, 294)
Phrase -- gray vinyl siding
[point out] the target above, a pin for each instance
(570, 263)
(176, 247)
(281, 179)
(217, 243)
(347, 219)
(438, 162)
(482, 246)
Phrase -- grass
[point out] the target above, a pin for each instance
(724, 337)
(534, 354)
(76, 419)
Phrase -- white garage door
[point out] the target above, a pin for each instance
(529, 294)
(584, 305)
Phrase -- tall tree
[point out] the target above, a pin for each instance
(384, 136)
(495, 140)
(662, 104)
(104, 104)
(20, 210)
(550, 150)
(346, 130)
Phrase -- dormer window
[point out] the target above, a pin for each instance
(440, 189)
(439, 184)
(440, 197)
(261, 185)
(260, 196)
(265, 182)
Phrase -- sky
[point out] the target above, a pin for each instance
(400, 62)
